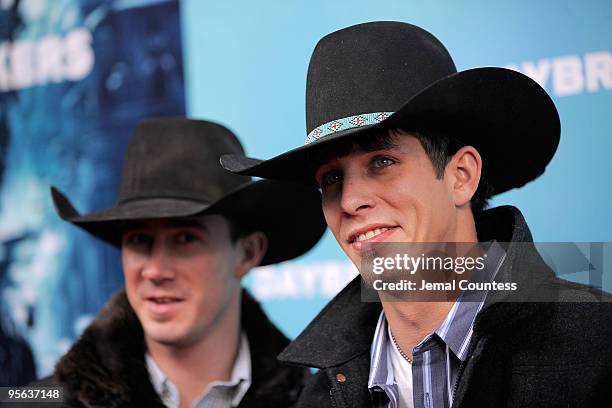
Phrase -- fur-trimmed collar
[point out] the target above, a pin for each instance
(106, 366)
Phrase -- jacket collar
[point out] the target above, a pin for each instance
(106, 366)
(345, 328)
(341, 331)
(523, 265)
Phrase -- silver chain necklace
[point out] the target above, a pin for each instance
(408, 359)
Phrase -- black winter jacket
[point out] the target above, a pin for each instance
(545, 354)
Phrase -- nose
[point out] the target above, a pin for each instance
(159, 266)
(356, 197)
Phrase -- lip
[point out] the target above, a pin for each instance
(358, 245)
(163, 310)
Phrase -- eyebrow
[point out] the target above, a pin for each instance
(342, 148)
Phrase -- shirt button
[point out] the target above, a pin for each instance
(341, 377)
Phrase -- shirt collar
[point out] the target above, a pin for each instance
(379, 359)
(241, 373)
(163, 387)
(456, 330)
(240, 378)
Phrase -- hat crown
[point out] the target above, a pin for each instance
(369, 68)
(178, 158)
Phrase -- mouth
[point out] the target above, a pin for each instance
(368, 233)
(163, 307)
(163, 300)
(359, 239)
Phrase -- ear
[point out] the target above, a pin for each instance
(465, 167)
(252, 249)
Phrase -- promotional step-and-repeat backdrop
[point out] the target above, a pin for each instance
(75, 77)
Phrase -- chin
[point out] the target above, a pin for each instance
(166, 340)
(166, 333)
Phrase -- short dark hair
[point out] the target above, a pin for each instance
(438, 146)
(237, 228)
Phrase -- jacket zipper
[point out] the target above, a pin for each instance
(463, 364)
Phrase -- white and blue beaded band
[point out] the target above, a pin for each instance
(350, 122)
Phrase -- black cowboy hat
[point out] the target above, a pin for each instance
(385, 75)
(171, 169)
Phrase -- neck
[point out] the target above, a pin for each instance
(411, 322)
(193, 366)
(466, 226)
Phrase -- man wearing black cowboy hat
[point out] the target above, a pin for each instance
(407, 149)
(184, 332)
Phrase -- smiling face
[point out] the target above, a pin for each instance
(391, 195)
(181, 276)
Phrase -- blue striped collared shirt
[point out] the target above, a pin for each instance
(436, 359)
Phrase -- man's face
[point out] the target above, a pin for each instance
(180, 276)
(388, 195)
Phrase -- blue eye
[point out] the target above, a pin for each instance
(382, 161)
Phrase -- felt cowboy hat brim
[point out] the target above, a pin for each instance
(288, 214)
(504, 114)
